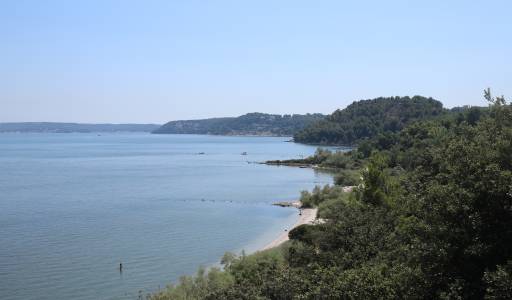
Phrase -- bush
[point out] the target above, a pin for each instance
(499, 282)
(347, 178)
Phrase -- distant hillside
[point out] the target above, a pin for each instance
(368, 118)
(249, 124)
(74, 127)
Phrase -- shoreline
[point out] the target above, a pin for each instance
(308, 216)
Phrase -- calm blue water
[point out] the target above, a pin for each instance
(72, 206)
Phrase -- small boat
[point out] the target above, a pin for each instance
(201, 153)
(244, 153)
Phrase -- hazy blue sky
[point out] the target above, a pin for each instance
(154, 61)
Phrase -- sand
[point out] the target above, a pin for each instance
(308, 217)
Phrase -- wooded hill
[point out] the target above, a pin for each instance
(430, 217)
(249, 124)
(368, 118)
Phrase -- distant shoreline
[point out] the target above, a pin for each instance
(61, 127)
(241, 134)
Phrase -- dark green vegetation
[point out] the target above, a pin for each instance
(368, 118)
(249, 124)
(74, 127)
(326, 159)
(431, 218)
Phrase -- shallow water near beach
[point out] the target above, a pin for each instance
(73, 206)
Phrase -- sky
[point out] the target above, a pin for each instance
(156, 61)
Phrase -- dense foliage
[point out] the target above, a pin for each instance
(368, 118)
(248, 124)
(431, 218)
(324, 158)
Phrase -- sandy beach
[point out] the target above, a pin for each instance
(308, 217)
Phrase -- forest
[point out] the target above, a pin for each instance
(430, 217)
(249, 124)
(367, 118)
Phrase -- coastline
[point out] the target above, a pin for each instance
(308, 216)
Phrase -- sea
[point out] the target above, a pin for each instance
(74, 206)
